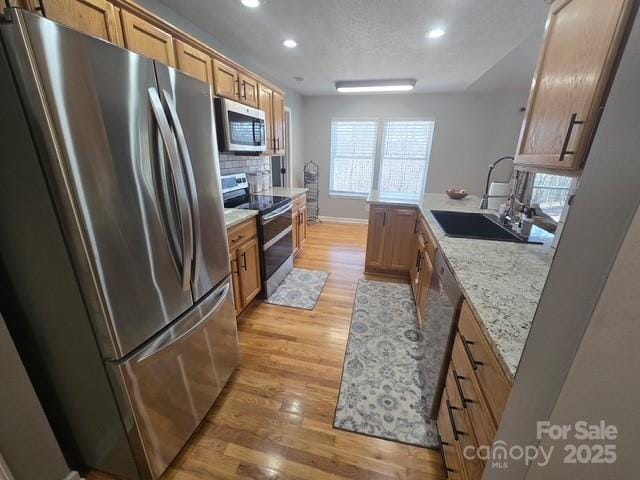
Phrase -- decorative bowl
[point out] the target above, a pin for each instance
(456, 194)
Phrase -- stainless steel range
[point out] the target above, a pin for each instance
(275, 230)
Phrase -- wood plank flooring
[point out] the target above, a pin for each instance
(274, 419)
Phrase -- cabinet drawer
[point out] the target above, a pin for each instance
(241, 233)
(462, 378)
(491, 378)
(449, 445)
(299, 202)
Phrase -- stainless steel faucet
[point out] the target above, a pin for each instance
(485, 198)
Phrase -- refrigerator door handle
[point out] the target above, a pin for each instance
(186, 157)
(178, 186)
(156, 347)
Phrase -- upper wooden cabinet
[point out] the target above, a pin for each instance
(582, 42)
(248, 90)
(93, 17)
(225, 80)
(194, 62)
(278, 125)
(146, 39)
(265, 103)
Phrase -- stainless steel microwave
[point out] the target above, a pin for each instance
(240, 128)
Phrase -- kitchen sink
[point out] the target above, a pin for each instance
(475, 225)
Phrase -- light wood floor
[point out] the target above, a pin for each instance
(274, 418)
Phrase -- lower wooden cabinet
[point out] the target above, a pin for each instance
(299, 223)
(244, 252)
(475, 393)
(390, 240)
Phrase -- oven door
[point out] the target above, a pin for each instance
(277, 239)
(244, 127)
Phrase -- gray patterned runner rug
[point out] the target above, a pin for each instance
(300, 289)
(385, 370)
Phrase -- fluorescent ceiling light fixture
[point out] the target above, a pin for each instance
(251, 3)
(435, 33)
(375, 86)
(290, 43)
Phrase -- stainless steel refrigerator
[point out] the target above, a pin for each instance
(113, 250)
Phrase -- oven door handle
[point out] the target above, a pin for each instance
(276, 213)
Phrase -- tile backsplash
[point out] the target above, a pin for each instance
(230, 163)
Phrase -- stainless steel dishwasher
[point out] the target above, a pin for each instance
(441, 312)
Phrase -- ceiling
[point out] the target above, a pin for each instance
(379, 39)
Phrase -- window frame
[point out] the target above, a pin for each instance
(354, 195)
(376, 179)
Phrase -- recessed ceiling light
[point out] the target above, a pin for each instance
(375, 86)
(251, 3)
(435, 33)
(290, 43)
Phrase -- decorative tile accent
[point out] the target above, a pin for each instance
(385, 391)
(300, 289)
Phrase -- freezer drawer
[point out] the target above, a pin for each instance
(171, 383)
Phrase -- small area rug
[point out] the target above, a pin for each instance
(300, 289)
(383, 391)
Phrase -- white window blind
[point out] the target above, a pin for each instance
(406, 149)
(353, 152)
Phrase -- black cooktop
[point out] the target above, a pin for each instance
(262, 203)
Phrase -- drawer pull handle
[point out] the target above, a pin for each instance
(474, 363)
(457, 379)
(456, 432)
(444, 459)
(234, 240)
(565, 146)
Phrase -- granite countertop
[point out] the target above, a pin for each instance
(234, 216)
(501, 281)
(285, 192)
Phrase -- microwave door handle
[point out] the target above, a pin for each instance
(193, 193)
(179, 189)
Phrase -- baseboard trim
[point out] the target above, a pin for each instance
(361, 221)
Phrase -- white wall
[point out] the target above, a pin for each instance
(471, 131)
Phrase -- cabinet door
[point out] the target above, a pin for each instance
(399, 246)
(376, 236)
(295, 224)
(235, 279)
(576, 65)
(146, 39)
(249, 265)
(98, 18)
(225, 80)
(302, 226)
(248, 90)
(425, 270)
(414, 269)
(265, 99)
(278, 123)
(194, 62)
